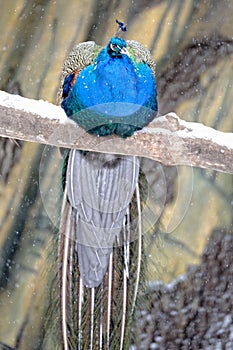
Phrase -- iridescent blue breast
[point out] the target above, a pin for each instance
(113, 95)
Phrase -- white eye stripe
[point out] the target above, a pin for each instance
(113, 47)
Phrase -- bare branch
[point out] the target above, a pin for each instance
(168, 139)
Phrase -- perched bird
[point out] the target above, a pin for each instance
(104, 90)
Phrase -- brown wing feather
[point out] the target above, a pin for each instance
(81, 56)
(142, 54)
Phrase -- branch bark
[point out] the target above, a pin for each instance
(168, 139)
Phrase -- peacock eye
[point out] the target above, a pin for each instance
(113, 47)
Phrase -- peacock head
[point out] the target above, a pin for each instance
(117, 47)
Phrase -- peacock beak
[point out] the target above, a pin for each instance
(124, 51)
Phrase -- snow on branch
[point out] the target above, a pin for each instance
(168, 139)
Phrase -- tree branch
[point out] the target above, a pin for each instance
(168, 139)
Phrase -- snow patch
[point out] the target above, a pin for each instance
(200, 131)
(193, 130)
(39, 107)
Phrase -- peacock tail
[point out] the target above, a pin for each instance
(100, 317)
(104, 90)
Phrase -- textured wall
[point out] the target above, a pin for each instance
(191, 42)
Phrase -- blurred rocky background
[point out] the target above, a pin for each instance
(192, 44)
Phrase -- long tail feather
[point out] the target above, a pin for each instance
(100, 317)
(66, 265)
(80, 303)
(109, 299)
(139, 248)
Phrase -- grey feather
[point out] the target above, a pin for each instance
(99, 188)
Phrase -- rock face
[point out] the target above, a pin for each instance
(196, 311)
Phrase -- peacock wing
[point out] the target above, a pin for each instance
(80, 57)
(141, 54)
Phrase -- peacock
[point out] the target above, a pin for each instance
(105, 90)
